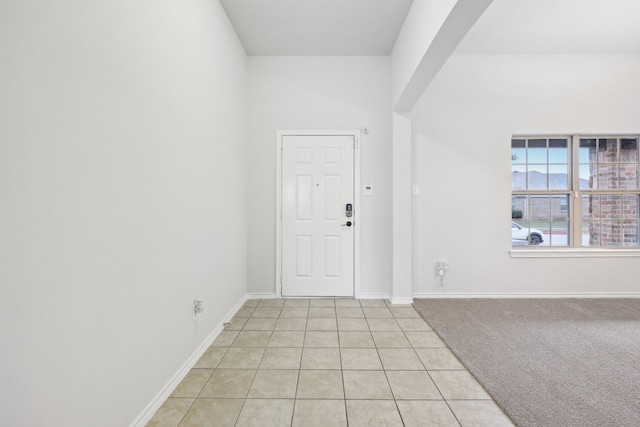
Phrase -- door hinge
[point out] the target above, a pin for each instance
(281, 151)
(355, 142)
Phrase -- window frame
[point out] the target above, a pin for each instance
(574, 247)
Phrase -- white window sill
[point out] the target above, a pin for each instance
(574, 253)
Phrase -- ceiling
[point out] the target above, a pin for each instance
(556, 27)
(317, 27)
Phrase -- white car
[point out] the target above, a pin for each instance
(521, 235)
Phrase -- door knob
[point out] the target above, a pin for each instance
(347, 224)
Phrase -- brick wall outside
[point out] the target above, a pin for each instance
(614, 218)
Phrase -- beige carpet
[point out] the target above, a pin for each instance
(548, 362)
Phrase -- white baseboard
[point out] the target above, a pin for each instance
(166, 391)
(540, 295)
(266, 295)
(373, 296)
(254, 295)
(405, 301)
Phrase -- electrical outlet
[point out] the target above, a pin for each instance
(441, 268)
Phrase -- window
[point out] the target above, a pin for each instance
(580, 191)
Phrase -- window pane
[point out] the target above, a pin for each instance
(560, 224)
(629, 150)
(519, 208)
(588, 176)
(558, 151)
(590, 207)
(607, 150)
(610, 233)
(604, 213)
(523, 229)
(628, 171)
(540, 210)
(590, 220)
(560, 208)
(628, 176)
(608, 176)
(518, 151)
(537, 152)
(630, 206)
(630, 233)
(518, 177)
(588, 172)
(587, 150)
(537, 177)
(590, 233)
(558, 177)
(560, 233)
(610, 207)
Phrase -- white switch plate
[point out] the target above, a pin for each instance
(415, 190)
(367, 190)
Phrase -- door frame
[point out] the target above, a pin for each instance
(356, 195)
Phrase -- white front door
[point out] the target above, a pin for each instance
(317, 233)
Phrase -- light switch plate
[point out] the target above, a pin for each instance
(367, 190)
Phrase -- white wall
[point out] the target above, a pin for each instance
(462, 129)
(122, 184)
(319, 93)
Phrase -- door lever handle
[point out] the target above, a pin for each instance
(347, 224)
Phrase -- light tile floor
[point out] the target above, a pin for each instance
(328, 362)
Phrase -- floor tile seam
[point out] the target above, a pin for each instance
(213, 397)
(395, 402)
(452, 412)
(235, 423)
(472, 400)
(402, 400)
(266, 398)
(320, 398)
(440, 391)
(222, 357)
(275, 397)
(295, 395)
(390, 388)
(203, 384)
(422, 400)
(344, 389)
(448, 370)
(278, 369)
(186, 412)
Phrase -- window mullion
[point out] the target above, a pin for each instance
(576, 196)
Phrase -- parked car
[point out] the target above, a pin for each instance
(522, 235)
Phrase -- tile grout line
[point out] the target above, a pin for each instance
(429, 373)
(295, 396)
(258, 367)
(344, 389)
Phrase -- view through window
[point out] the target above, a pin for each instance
(578, 191)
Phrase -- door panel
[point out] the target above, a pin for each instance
(317, 246)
